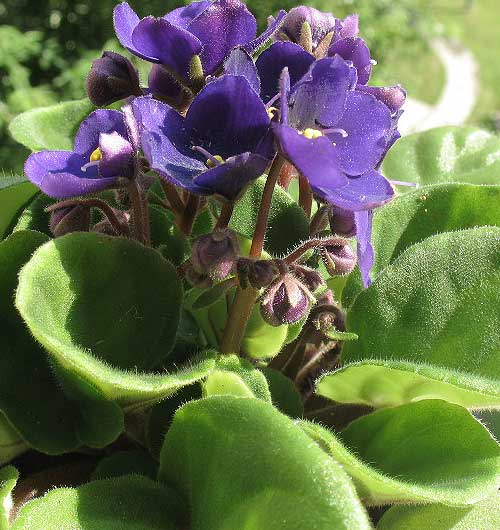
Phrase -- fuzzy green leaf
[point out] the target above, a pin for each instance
(51, 127)
(126, 463)
(446, 154)
(284, 393)
(15, 193)
(8, 479)
(428, 327)
(484, 515)
(429, 451)
(130, 502)
(242, 464)
(11, 443)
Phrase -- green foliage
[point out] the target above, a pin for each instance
(284, 394)
(15, 192)
(126, 463)
(11, 444)
(286, 482)
(8, 479)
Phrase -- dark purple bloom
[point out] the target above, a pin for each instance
(210, 29)
(104, 150)
(215, 254)
(221, 145)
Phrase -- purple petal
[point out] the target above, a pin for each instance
(365, 192)
(160, 41)
(392, 96)
(125, 20)
(320, 96)
(315, 159)
(183, 16)
(58, 174)
(132, 127)
(117, 156)
(241, 63)
(355, 50)
(100, 121)
(273, 26)
(271, 62)
(162, 83)
(220, 27)
(368, 124)
(349, 26)
(230, 178)
(366, 256)
(227, 117)
(321, 24)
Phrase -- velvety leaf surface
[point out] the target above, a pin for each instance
(126, 463)
(284, 393)
(419, 331)
(15, 192)
(11, 443)
(430, 210)
(238, 377)
(445, 154)
(484, 515)
(105, 324)
(123, 503)
(429, 451)
(166, 235)
(242, 464)
(287, 222)
(46, 424)
(33, 216)
(8, 479)
(51, 127)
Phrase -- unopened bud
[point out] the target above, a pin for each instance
(188, 272)
(215, 254)
(70, 219)
(310, 277)
(342, 222)
(112, 77)
(286, 301)
(339, 259)
(258, 273)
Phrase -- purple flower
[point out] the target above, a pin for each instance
(221, 145)
(210, 29)
(104, 150)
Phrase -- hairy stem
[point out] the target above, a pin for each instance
(173, 197)
(305, 195)
(138, 212)
(225, 215)
(189, 214)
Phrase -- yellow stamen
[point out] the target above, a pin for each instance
(271, 111)
(210, 163)
(311, 134)
(96, 155)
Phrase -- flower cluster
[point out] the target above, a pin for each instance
(217, 113)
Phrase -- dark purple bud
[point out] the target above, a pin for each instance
(187, 271)
(310, 277)
(70, 219)
(339, 258)
(286, 301)
(258, 273)
(111, 78)
(342, 222)
(215, 254)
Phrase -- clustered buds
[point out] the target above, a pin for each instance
(339, 258)
(111, 78)
(258, 273)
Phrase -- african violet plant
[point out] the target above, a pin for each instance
(187, 306)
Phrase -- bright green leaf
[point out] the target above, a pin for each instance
(8, 479)
(446, 154)
(428, 327)
(51, 127)
(242, 464)
(130, 502)
(33, 217)
(484, 515)
(15, 192)
(429, 451)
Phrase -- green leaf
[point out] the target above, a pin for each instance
(287, 224)
(130, 502)
(15, 193)
(235, 376)
(212, 294)
(46, 424)
(11, 443)
(51, 127)
(431, 210)
(484, 515)
(104, 308)
(335, 334)
(429, 451)
(446, 154)
(243, 464)
(165, 235)
(8, 479)
(126, 463)
(284, 393)
(428, 327)
(33, 217)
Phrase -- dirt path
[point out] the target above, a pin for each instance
(458, 97)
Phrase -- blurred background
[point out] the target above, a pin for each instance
(446, 53)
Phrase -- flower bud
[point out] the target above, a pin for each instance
(310, 277)
(187, 271)
(258, 273)
(342, 222)
(112, 77)
(215, 254)
(69, 219)
(286, 301)
(338, 258)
